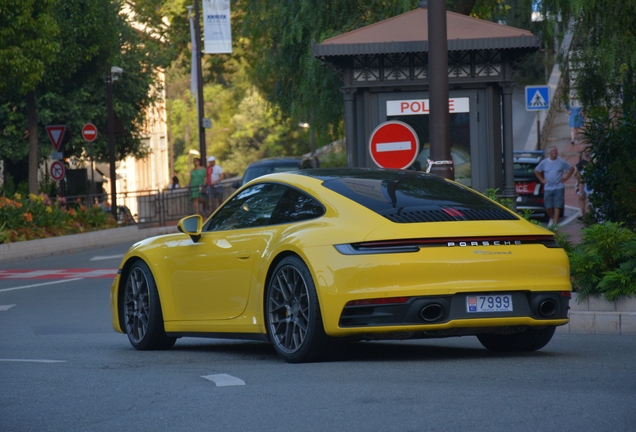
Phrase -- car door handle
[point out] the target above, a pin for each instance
(244, 254)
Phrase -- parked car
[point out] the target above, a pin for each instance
(273, 165)
(529, 189)
(305, 258)
(124, 215)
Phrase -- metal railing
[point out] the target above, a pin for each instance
(154, 207)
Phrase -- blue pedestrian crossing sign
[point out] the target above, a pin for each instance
(537, 98)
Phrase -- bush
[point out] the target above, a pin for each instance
(35, 216)
(604, 263)
(611, 173)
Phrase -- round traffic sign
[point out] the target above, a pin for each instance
(394, 144)
(89, 132)
(57, 170)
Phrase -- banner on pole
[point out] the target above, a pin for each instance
(217, 29)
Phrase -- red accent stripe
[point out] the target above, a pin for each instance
(423, 241)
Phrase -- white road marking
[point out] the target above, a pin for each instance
(224, 380)
(5, 307)
(93, 273)
(101, 258)
(33, 274)
(42, 284)
(33, 361)
(393, 146)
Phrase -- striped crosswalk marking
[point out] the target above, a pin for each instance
(59, 273)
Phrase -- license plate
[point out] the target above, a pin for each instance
(489, 303)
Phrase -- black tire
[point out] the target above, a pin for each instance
(530, 339)
(141, 310)
(292, 313)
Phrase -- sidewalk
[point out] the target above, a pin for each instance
(559, 136)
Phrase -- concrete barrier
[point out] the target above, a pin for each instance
(73, 242)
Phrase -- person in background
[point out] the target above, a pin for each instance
(197, 186)
(214, 174)
(553, 173)
(175, 182)
(575, 121)
(581, 188)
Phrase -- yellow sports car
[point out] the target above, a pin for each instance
(308, 258)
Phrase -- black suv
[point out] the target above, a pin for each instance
(273, 165)
(529, 188)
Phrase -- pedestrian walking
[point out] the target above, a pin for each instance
(575, 121)
(197, 186)
(214, 174)
(553, 173)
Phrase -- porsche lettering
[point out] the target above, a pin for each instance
(484, 243)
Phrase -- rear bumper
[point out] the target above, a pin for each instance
(435, 310)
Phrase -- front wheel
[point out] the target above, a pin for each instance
(530, 339)
(292, 312)
(141, 310)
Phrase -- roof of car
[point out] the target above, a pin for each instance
(528, 156)
(277, 160)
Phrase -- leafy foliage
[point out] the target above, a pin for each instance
(604, 53)
(89, 37)
(28, 30)
(35, 216)
(604, 263)
(611, 173)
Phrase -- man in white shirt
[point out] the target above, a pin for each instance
(214, 174)
(553, 173)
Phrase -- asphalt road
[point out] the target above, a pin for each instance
(62, 368)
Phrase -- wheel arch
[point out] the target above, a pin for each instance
(282, 255)
(125, 269)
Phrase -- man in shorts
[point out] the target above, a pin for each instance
(553, 173)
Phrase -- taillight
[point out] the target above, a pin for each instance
(377, 301)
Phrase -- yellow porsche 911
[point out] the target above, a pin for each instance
(308, 258)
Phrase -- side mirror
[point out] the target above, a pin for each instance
(236, 185)
(191, 225)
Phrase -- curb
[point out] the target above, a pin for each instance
(57, 245)
(594, 322)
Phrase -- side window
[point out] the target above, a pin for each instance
(295, 206)
(253, 207)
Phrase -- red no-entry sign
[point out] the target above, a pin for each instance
(89, 132)
(394, 144)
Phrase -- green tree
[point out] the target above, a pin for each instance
(28, 31)
(91, 36)
(604, 49)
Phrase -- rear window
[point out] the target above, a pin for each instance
(524, 168)
(405, 196)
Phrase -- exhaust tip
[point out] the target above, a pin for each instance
(547, 308)
(432, 312)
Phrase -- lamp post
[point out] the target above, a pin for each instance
(439, 118)
(113, 75)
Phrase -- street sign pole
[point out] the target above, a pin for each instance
(111, 143)
(89, 133)
(439, 117)
(538, 99)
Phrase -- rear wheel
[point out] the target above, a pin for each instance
(292, 312)
(530, 339)
(141, 309)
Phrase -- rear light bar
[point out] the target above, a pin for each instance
(378, 301)
(414, 245)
